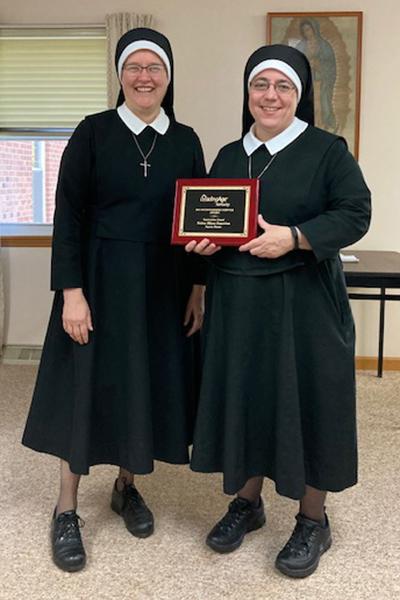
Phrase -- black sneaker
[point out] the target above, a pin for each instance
(309, 540)
(66, 542)
(242, 517)
(130, 505)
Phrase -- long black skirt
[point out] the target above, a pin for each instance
(128, 396)
(278, 395)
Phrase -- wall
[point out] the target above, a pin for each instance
(211, 41)
(53, 153)
(16, 181)
(26, 294)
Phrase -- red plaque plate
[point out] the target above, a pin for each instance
(222, 210)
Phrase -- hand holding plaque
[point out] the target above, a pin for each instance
(222, 210)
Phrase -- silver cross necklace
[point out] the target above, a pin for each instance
(269, 163)
(146, 165)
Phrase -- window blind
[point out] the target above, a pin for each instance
(51, 78)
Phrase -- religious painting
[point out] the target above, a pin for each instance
(332, 43)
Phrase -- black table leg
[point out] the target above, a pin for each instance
(381, 331)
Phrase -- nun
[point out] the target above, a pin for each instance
(117, 379)
(279, 400)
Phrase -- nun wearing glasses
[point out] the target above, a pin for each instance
(277, 397)
(117, 379)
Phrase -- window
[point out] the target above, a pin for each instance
(49, 80)
(28, 177)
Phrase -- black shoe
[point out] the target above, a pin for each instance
(130, 505)
(66, 542)
(242, 517)
(309, 540)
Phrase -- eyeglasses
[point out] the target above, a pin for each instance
(134, 69)
(263, 85)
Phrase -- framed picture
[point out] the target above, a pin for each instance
(332, 43)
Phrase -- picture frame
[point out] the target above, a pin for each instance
(332, 41)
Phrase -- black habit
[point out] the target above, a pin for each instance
(126, 397)
(278, 395)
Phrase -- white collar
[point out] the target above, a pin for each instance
(277, 143)
(160, 123)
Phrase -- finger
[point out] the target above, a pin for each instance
(247, 247)
(188, 314)
(190, 246)
(262, 222)
(192, 331)
(259, 251)
(196, 325)
(206, 248)
(202, 245)
(68, 328)
(72, 336)
(84, 333)
(216, 249)
(77, 334)
(211, 249)
(89, 322)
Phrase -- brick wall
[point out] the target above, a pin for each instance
(16, 179)
(53, 153)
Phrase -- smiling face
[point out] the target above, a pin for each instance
(144, 91)
(272, 111)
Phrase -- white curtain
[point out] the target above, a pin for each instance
(116, 25)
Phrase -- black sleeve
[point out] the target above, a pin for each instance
(199, 167)
(72, 198)
(214, 172)
(196, 265)
(347, 215)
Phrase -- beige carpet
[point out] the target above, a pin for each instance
(175, 564)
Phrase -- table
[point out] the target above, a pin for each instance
(375, 269)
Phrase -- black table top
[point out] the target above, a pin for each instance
(375, 268)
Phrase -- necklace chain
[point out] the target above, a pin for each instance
(145, 164)
(269, 163)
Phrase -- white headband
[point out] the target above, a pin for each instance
(144, 45)
(279, 65)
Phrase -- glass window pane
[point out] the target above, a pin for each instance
(28, 179)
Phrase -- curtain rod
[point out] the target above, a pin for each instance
(51, 25)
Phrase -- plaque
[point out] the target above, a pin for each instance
(222, 210)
